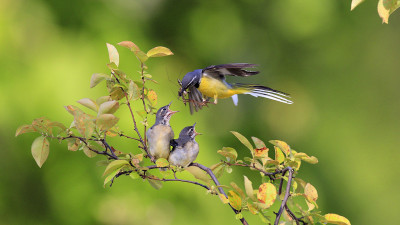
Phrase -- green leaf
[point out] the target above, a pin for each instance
(133, 91)
(387, 7)
(198, 173)
(267, 194)
(106, 121)
(152, 97)
(252, 208)
(134, 175)
(161, 162)
(157, 184)
(235, 200)
(89, 153)
(24, 129)
(258, 143)
(337, 219)
(279, 155)
(228, 152)
(306, 158)
(110, 177)
(141, 56)
(40, 150)
(249, 188)
(159, 52)
(109, 107)
(244, 141)
(117, 94)
(355, 3)
(113, 54)
(115, 165)
(97, 78)
(238, 189)
(89, 103)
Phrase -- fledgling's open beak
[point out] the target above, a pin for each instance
(170, 112)
(195, 133)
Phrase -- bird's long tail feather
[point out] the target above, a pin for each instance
(265, 92)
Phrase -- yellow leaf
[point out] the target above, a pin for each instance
(337, 219)
(152, 96)
(235, 200)
(159, 52)
(261, 152)
(282, 145)
(223, 198)
(267, 194)
(279, 155)
(311, 192)
(161, 162)
(387, 7)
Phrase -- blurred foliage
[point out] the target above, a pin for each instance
(339, 66)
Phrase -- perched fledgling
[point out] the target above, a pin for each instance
(185, 148)
(210, 82)
(161, 134)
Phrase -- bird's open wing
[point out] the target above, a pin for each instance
(195, 99)
(232, 69)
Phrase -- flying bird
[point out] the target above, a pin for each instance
(203, 84)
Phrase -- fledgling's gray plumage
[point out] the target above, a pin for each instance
(185, 148)
(160, 134)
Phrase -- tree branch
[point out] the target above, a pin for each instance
(287, 194)
(220, 189)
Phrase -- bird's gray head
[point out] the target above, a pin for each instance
(188, 132)
(191, 79)
(164, 115)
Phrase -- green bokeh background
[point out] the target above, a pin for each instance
(341, 68)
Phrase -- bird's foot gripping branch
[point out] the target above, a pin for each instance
(277, 189)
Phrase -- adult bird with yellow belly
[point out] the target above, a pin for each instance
(211, 83)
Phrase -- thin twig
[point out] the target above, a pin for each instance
(123, 135)
(271, 175)
(287, 194)
(144, 103)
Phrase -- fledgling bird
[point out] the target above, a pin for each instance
(185, 148)
(161, 134)
(211, 83)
